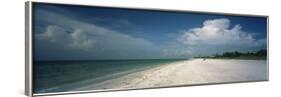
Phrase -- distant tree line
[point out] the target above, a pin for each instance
(260, 54)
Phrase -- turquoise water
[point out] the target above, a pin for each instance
(63, 76)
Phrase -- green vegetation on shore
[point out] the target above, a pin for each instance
(258, 55)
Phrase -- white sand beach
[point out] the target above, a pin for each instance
(195, 71)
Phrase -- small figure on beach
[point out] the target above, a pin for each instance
(204, 59)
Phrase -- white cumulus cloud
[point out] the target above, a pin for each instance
(73, 39)
(216, 36)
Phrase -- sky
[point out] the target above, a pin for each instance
(63, 32)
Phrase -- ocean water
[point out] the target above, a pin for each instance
(63, 76)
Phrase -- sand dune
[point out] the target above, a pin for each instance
(195, 71)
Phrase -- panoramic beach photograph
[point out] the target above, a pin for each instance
(83, 48)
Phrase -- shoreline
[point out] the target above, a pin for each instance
(235, 58)
(188, 72)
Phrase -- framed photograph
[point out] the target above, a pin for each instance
(83, 48)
